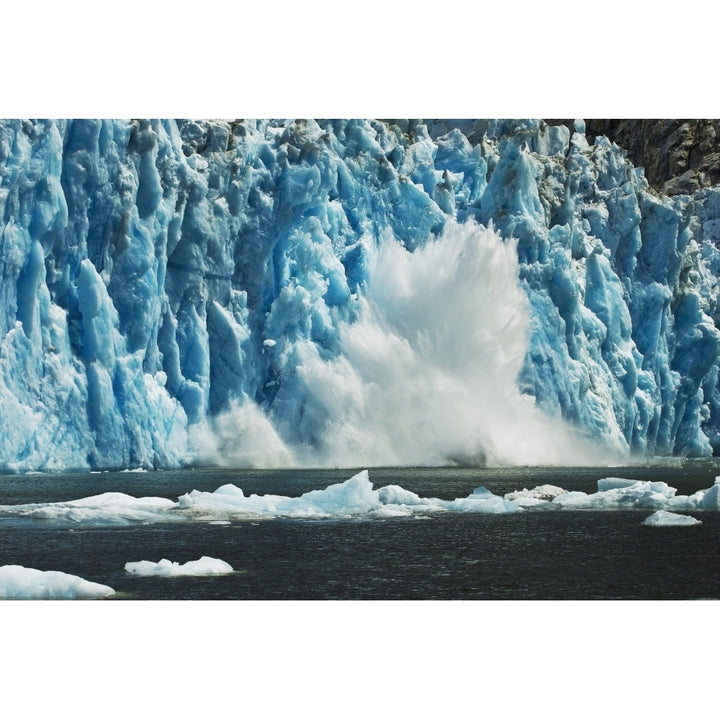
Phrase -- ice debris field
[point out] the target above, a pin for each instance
(356, 498)
(21, 583)
(348, 293)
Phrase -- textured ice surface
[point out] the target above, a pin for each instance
(355, 498)
(167, 568)
(111, 508)
(665, 518)
(300, 292)
(21, 583)
(536, 496)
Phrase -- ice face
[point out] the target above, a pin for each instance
(21, 583)
(293, 292)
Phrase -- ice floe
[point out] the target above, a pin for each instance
(663, 517)
(21, 583)
(110, 508)
(357, 498)
(166, 568)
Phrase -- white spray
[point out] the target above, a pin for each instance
(427, 374)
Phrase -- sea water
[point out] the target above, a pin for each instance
(567, 554)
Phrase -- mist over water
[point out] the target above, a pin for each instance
(425, 376)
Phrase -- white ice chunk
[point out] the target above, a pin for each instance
(612, 483)
(21, 583)
(711, 499)
(397, 495)
(540, 492)
(574, 499)
(111, 508)
(482, 501)
(398, 502)
(620, 494)
(205, 566)
(663, 517)
(686, 502)
(352, 497)
(355, 498)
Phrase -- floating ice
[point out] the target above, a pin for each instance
(352, 498)
(536, 497)
(614, 483)
(110, 508)
(21, 583)
(481, 501)
(355, 498)
(619, 495)
(205, 566)
(711, 498)
(663, 517)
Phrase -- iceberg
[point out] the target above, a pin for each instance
(205, 566)
(111, 508)
(21, 583)
(348, 293)
(536, 497)
(351, 500)
(634, 494)
(665, 518)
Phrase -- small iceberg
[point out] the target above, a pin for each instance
(539, 496)
(663, 517)
(356, 498)
(205, 566)
(21, 583)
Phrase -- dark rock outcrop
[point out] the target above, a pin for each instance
(679, 156)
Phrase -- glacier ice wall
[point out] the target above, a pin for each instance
(281, 292)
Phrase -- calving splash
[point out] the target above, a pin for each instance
(426, 374)
(277, 293)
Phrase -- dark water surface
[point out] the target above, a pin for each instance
(564, 554)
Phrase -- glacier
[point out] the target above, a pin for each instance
(348, 293)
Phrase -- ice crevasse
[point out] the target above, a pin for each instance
(350, 292)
